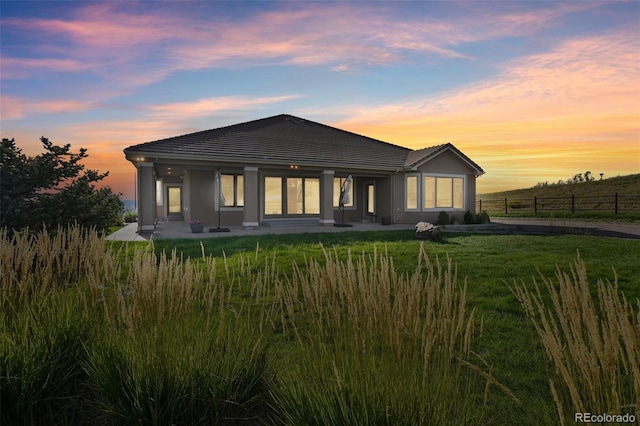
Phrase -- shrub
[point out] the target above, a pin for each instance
(443, 219)
(130, 217)
(469, 218)
(482, 218)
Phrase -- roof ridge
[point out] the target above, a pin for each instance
(349, 132)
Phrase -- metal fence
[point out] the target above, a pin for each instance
(615, 203)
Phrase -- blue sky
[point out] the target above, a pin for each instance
(531, 91)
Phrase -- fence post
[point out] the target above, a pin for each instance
(480, 205)
(616, 204)
(573, 204)
(535, 205)
(506, 208)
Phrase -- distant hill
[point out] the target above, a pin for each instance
(623, 185)
(129, 205)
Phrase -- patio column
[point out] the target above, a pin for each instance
(146, 197)
(251, 215)
(326, 198)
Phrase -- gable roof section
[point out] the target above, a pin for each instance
(417, 158)
(282, 139)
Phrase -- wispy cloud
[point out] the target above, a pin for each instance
(14, 108)
(132, 47)
(209, 106)
(574, 105)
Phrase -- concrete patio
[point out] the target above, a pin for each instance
(171, 229)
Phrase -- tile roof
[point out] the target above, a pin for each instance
(284, 139)
(421, 156)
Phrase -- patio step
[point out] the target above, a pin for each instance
(290, 222)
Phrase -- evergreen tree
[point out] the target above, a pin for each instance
(53, 189)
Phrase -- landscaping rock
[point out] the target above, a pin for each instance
(428, 231)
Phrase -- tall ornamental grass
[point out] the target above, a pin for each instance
(593, 343)
(45, 323)
(376, 347)
(33, 265)
(41, 356)
(91, 333)
(182, 372)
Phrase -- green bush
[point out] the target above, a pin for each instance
(443, 219)
(469, 218)
(130, 217)
(482, 218)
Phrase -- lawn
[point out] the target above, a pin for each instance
(344, 328)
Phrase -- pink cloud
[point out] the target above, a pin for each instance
(14, 108)
(112, 40)
(20, 68)
(209, 106)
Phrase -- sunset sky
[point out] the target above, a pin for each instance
(531, 91)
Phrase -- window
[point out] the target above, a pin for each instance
(443, 192)
(272, 195)
(338, 183)
(294, 196)
(411, 194)
(159, 192)
(232, 190)
(312, 196)
(291, 196)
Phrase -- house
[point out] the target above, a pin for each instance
(288, 169)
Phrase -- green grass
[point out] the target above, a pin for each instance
(508, 341)
(239, 332)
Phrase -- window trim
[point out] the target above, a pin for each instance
(421, 195)
(450, 176)
(283, 196)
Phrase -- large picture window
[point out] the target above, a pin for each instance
(233, 190)
(441, 192)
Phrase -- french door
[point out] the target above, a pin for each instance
(291, 196)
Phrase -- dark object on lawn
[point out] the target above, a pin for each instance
(428, 232)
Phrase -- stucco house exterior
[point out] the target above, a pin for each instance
(287, 170)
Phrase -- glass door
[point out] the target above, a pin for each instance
(370, 198)
(291, 196)
(174, 202)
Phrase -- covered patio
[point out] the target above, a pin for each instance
(177, 229)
